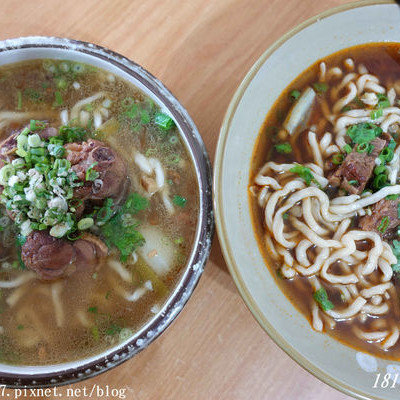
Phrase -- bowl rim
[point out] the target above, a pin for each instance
(67, 373)
(218, 205)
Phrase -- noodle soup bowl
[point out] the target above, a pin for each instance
(42, 374)
(355, 372)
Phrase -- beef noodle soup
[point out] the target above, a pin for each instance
(325, 189)
(98, 204)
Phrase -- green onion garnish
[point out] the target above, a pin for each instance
(295, 94)
(321, 297)
(347, 148)
(179, 201)
(59, 100)
(383, 224)
(386, 154)
(19, 100)
(375, 114)
(284, 148)
(338, 158)
(320, 87)
(304, 173)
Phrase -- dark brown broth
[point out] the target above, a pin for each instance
(380, 59)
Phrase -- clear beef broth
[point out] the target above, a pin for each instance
(383, 61)
(94, 308)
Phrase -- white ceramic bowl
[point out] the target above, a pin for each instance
(28, 48)
(340, 366)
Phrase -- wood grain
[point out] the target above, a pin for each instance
(201, 50)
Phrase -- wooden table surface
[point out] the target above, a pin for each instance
(201, 50)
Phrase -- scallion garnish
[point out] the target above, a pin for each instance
(59, 100)
(295, 94)
(383, 225)
(338, 158)
(284, 148)
(321, 297)
(347, 148)
(375, 114)
(320, 87)
(19, 100)
(305, 173)
(179, 201)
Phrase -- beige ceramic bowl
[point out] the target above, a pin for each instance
(340, 366)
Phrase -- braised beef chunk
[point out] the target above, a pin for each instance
(88, 249)
(50, 257)
(102, 159)
(357, 168)
(47, 256)
(383, 219)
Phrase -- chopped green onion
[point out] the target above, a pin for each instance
(380, 169)
(320, 87)
(305, 174)
(18, 163)
(375, 114)
(379, 181)
(321, 297)
(34, 140)
(383, 224)
(295, 94)
(363, 148)
(19, 100)
(38, 151)
(95, 332)
(59, 100)
(56, 150)
(36, 125)
(383, 101)
(164, 121)
(173, 139)
(392, 197)
(347, 148)
(284, 148)
(179, 201)
(85, 223)
(78, 68)
(62, 84)
(387, 154)
(5, 174)
(338, 158)
(22, 145)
